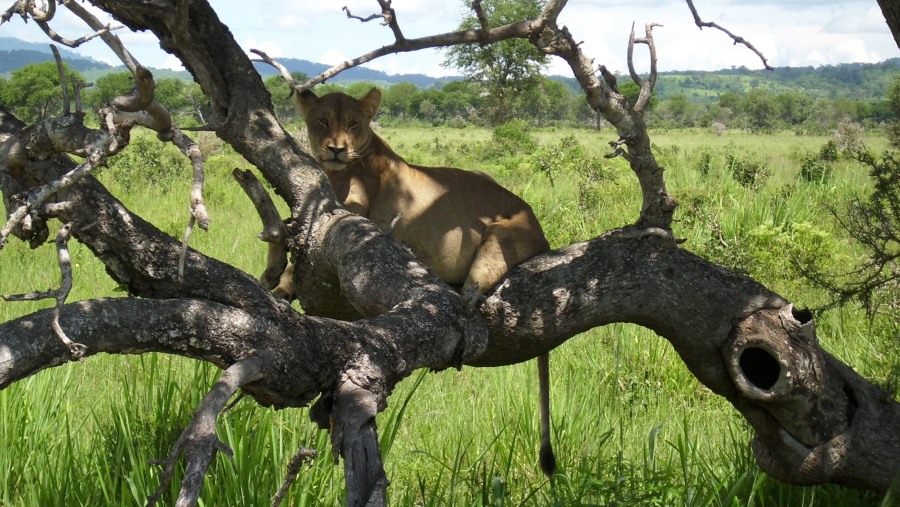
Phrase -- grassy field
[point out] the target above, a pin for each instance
(631, 425)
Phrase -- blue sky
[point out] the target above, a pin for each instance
(788, 32)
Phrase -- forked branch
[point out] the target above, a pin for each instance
(645, 86)
(198, 442)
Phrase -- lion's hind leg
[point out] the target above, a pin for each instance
(505, 244)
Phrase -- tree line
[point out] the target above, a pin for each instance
(33, 92)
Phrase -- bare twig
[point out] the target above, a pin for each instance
(77, 86)
(646, 86)
(103, 31)
(736, 38)
(366, 19)
(65, 269)
(302, 456)
(522, 29)
(77, 42)
(285, 74)
(19, 7)
(481, 17)
(198, 442)
(64, 86)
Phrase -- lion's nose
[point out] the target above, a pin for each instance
(337, 151)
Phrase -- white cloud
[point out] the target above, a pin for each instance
(269, 47)
(173, 63)
(332, 57)
(854, 50)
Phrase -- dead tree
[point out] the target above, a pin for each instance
(815, 419)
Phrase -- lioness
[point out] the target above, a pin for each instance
(465, 226)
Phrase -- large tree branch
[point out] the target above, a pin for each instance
(815, 419)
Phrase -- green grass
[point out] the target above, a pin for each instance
(631, 425)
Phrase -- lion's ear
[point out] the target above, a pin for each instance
(305, 100)
(371, 102)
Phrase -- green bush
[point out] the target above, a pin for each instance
(815, 170)
(748, 173)
(513, 138)
(149, 162)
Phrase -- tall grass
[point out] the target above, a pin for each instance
(631, 426)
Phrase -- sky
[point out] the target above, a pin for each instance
(795, 33)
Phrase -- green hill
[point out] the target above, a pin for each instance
(867, 82)
(859, 81)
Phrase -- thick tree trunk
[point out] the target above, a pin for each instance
(891, 11)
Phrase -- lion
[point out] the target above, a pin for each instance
(462, 224)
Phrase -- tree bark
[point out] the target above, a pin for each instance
(891, 11)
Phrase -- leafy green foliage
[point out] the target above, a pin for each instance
(893, 129)
(512, 138)
(569, 156)
(147, 162)
(505, 69)
(747, 172)
(818, 168)
(34, 92)
(109, 87)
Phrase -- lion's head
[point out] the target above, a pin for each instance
(338, 125)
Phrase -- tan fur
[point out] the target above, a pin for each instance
(463, 224)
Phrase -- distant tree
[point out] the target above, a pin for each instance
(893, 128)
(280, 90)
(359, 88)
(108, 87)
(505, 69)
(396, 100)
(677, 111)
(548, 101)
(795, 107)
(34, 92)
(731, 100)
(761, 108)
(461, 100)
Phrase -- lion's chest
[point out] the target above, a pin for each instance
(435, 221)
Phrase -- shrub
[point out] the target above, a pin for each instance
(513, 138)
(705, 163)
(848, 136)
(569, 155)
(818, 168)
(815, 170)
(147, 161)
(748, 173)
(829, 152)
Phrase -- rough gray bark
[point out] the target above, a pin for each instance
(825, 424)
(891, 11)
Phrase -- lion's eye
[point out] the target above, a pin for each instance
(323, 122)
(353, 124)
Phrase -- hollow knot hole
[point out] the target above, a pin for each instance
(759, 367)
(802, 315)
